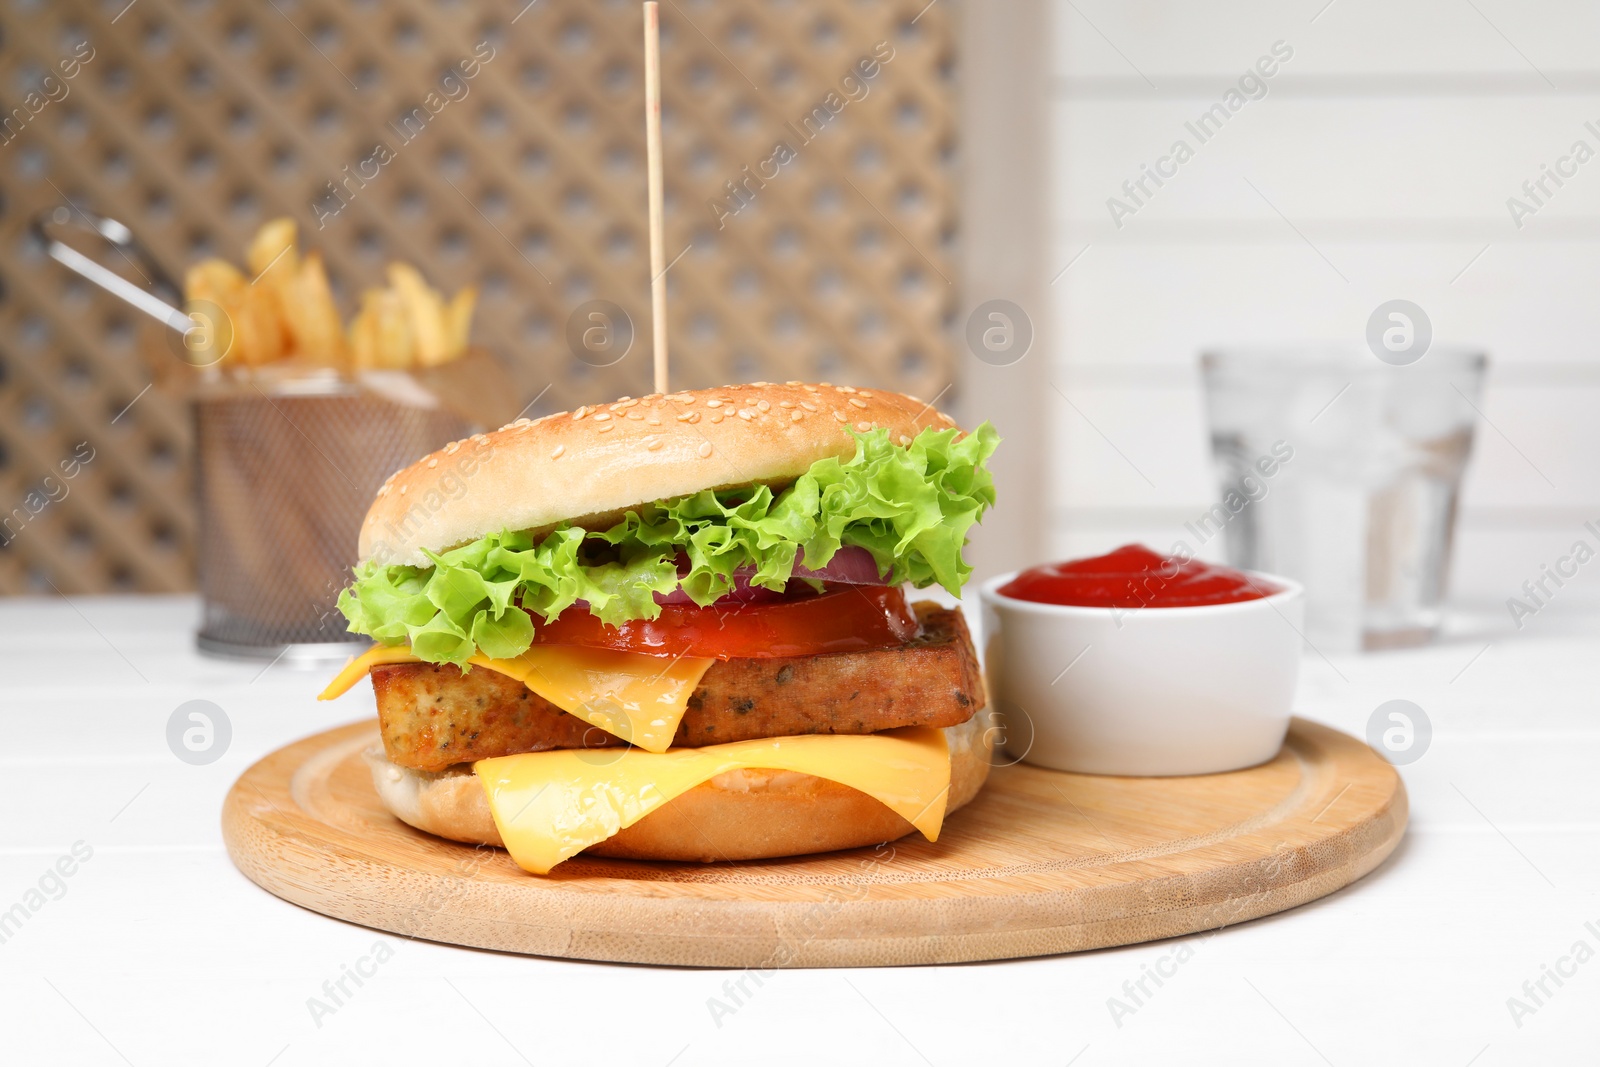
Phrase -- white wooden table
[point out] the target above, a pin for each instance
(154, 950)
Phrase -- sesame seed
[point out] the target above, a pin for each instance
(383, 490)
(652, 442)
(432, 463)
(688, 416)
(716, 417)
(556, 452)
(746, 416)
(580, 413)
(624, 404)
(403, 489)
(904, 440)
(762, 405)
(602, 417)
(713, 403)
(840, 416)
(634, 415)
(808, 405)
(793, 383)
(865, 394)
(809, 388)
(450, 449)
(763, 384)
(786, 403)
(524, 428)
(863, 426)
(844, 388)
(523, 423)
(704, 449)
(795, 416)
(606, 427)
(857, 403)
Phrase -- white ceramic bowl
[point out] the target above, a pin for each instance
(1151, 691)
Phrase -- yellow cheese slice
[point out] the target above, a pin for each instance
(550, 806)
(636, 697)
(360, 666)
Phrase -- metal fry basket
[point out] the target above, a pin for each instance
(284, 474)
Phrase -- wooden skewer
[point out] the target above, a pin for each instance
(652, 130)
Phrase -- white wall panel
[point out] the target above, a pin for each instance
(1445, 160)
(1528, 305)
(1107, 39)
(1128, 447)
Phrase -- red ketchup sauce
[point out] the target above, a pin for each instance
(1135, 577)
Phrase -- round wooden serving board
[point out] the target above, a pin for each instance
(1041, 862)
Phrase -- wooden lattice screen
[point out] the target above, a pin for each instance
(512, 157)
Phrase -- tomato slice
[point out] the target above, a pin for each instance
(849, 620)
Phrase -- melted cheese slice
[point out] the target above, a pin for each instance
(549, 806)
(638, 698)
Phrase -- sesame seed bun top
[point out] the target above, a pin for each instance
(590, 465)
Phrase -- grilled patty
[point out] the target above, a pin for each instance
(434, 715)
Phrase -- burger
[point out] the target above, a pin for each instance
(676, 627)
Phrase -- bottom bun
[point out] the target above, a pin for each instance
(740, 815)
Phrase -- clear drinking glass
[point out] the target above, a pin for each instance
(1362, 510)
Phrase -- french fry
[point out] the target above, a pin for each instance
(458, 320)
(397, 339)
(425, 307)
(382, 333)
(310, 317)
(213, 280)
(209, 287)
(362, 338)
(310, 321)
(273, 248)
(274, 262)
(258, 335)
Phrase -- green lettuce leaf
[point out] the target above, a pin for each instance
(910, 506)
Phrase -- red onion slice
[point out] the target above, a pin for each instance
(849, 566)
